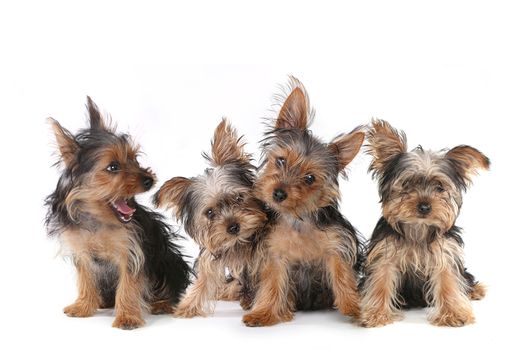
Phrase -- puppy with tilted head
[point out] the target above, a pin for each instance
(219, 211)
(312, 253)
(123, 252)
(415, 254)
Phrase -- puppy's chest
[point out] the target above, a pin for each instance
(298, 241)
(105, 243)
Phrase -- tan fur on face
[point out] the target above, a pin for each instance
(302, 198)
(101, 187)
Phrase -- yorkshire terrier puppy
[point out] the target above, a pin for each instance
(312, 253)
(219, 211)
(122, 251)
(415, 254)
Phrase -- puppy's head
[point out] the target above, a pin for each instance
(420, 187)
(218, 208)
(101, 173)
(300, 172)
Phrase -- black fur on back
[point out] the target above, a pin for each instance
(164, 263)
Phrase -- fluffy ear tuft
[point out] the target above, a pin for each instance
(96, 120)
(66, 144)
(295, 111)
(384, 144)
(226, 146)
(173, 194)
(347, 146)
(467, 161)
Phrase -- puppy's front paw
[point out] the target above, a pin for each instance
(450, 318)
(263, 319)
(80, 309)
(128, 322)
(188, 312)
(377, 319)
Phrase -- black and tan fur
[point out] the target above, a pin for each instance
(123, 252)
(415, 254)
(312, 253)
(219, 211)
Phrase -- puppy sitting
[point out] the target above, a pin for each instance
(221, 214)
(122, 251)
(312, 253)
(415, 254)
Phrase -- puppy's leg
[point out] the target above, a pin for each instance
(380, 291)
(272, 303)
(230, 291)
(200, 296)
(88, 299)
(344, 285)
(449, 297)
(129, 298)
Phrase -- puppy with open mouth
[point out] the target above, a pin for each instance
(123, 252)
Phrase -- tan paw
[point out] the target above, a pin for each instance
(80, 309)
(377, 319)
(453, 319)
(188, 312)
(263, 319)
(350, 309)
(128, 322)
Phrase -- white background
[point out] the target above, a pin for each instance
(447, 73)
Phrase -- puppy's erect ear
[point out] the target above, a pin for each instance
(66, 144)
(226, 146)
(346, 147)
(384, 144)
(96, 120)
(173, 194)
(295, 111)
(467, 161)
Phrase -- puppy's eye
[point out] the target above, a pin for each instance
(280, 162)
(210, 214)
(440, 189)
(113, 167)
(239, 198)
(309, 179)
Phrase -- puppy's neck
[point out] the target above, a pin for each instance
(303, 224)
(419, 233)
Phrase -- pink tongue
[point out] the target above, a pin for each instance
(123, 207)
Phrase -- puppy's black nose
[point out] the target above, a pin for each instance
(279, 195)
(147, 182)
(233, 229)
(424, 208)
